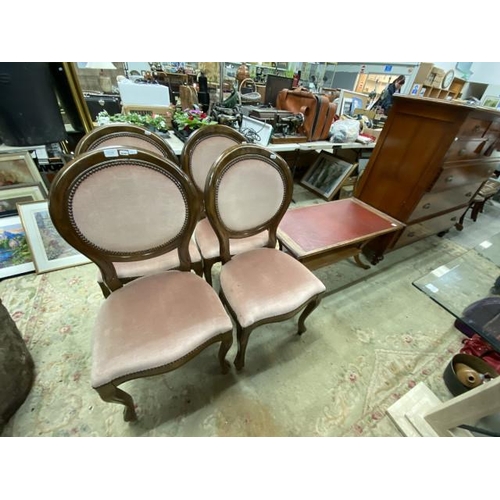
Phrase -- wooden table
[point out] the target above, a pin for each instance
(319, 235)
(177, 145)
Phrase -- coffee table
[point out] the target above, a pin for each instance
(319, 235)
(473, 277)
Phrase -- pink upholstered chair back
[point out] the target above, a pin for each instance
(127, 136)
(114, 205)
(249, 189)
(203, 147)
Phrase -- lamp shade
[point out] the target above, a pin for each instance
(100, 65)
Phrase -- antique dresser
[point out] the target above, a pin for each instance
(429, 161)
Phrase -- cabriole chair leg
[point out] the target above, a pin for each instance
(207, 269)
(242, 334)
(306, 312)
(198, 268)
(225, 345)
(104, 289)
(112, 394)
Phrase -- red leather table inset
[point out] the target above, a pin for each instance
(327, 229)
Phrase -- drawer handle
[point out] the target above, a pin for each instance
(449, 179)
(426, 206)
(453, 219)
(411, 234)
(477, 128)
(462, 152)
(468, 195)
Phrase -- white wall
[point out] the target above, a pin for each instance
(482, 72)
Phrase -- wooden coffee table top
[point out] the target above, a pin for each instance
(332, 225)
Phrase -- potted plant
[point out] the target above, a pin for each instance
(186, 121)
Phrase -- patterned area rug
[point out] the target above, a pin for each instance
(374, 337)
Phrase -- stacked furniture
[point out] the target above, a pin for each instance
(488, 190)
(429, 162)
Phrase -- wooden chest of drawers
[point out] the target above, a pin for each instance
(429, 161)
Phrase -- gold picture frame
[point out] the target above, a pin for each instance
(19, 169)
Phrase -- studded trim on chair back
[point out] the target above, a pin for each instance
(114, 206)
(249, 189)
(130, 141)
(125, 135)
(203, 147)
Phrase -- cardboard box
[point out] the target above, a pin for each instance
(423, 72)
(435, 77)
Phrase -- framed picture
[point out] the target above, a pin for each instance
(10, 196)
(19, 168)
(490, 101)
(327, 174)
(49, 250)
(350, 101)
(15, 256)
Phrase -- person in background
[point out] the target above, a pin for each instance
(385, 102)
(296, 79)
(312, 84)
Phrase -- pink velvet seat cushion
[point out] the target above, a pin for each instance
(207, 241)
(266, 282)
(165, 262)
(153, 321)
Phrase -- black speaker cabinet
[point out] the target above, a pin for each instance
(29, 109)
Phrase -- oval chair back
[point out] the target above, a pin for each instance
(203, 147)
(249, 189)
(119, 206)
(128, 136)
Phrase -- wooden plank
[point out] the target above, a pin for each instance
(467, 408)
(409, 411)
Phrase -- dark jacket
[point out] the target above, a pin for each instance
(385, 100)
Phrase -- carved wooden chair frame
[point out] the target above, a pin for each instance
(195, 139)
(63, 190)
(228, 159)
(120, 132)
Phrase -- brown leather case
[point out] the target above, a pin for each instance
(318, 111)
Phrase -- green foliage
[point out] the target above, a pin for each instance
(19, 248)
(191, 119)
(22, 253)
(156, 122)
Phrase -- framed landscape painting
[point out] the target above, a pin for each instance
(49, 250)
(15, 255)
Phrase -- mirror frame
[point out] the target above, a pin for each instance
(77, 93)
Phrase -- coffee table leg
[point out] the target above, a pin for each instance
(360, 263)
